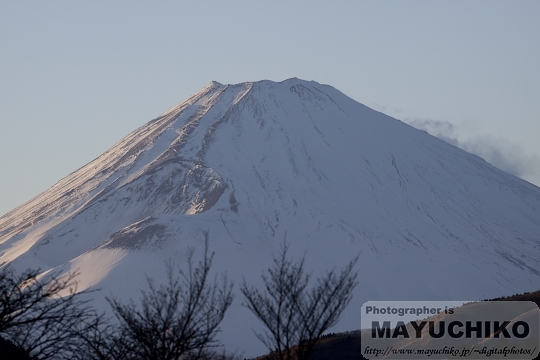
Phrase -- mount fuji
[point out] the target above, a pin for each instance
(260, 163)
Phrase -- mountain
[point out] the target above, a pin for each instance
(261, 162)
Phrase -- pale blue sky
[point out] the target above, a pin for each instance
(75, 77)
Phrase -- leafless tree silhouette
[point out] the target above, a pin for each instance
(39, 314)
(179, 318)
(295, 316)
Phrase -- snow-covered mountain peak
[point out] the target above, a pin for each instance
(258, 162)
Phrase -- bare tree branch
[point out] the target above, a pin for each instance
(178, 318)
(39, 314)
(99, 339)
(294, 316)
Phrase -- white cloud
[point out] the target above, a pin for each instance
(499, 152)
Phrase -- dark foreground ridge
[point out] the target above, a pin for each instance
(347, 345)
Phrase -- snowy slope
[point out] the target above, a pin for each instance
(259, 162)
